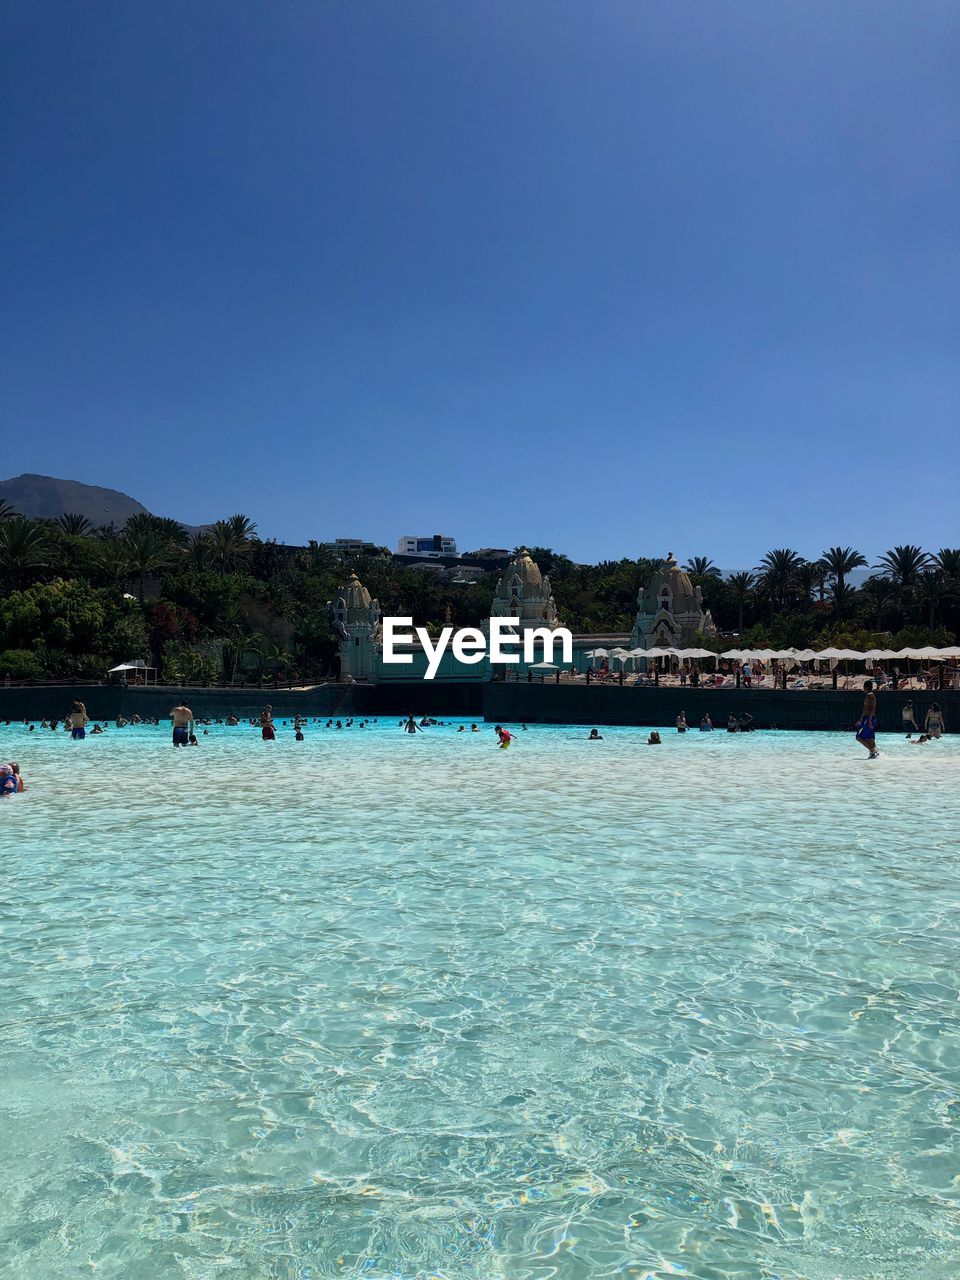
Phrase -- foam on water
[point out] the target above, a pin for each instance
(382, 1006)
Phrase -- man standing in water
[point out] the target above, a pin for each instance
(267, 731)
(182, 718)
(867, 724)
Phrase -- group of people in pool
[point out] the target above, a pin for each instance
(866, 727)
(184, 728)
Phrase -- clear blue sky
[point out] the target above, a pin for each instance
(614, 277)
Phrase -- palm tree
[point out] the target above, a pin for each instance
(947, 561)
(201, 551)
(903, 565)
(929, 592)
(320, 557)
(243, 528)
(6, 511)
(842, 596)
(112, 559)
(25, 546)
(146, 552)
(876, 593)
(172, 530)
(778, 573)
(740, 586)
(809, 579)
(227, 549)
(701, 567)
(74, 525)
(839, 561)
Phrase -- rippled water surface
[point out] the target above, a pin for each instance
(373, 1006)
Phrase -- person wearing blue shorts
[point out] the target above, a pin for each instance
(182, 718)
(867, 724)
(78, 721)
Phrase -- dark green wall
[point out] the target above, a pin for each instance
(806, 709)
(511, 703)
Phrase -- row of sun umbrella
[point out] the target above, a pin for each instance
(786, 655)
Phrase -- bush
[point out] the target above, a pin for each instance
(20, 664)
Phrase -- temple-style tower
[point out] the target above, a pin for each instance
(356, 620)
(670, 610)
(524, 593)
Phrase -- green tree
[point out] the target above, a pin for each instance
(147, 552)
(74, 525)
(25, 547)
(841, 561)
(778, 576)
(740, 586)
(227, 549)
(701, 567)
(21, 664)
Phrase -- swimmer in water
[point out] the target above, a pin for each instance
(298, 736)
(682, 722)
(410, 725)
(706, 724)
(8, 781)
(268, 730)
(933, 725)
(595, 736)
(867, 724)
(505, 736)
(77, 722)
(654, 739)
(183, 724)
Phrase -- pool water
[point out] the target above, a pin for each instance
(380, 1006)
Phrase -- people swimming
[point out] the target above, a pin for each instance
(595, 736)
(298, 736)
(505, 736)
(410, 725)
(268, 730)
(654, 739)
(866, 727)
(706, 724)
(681, 722)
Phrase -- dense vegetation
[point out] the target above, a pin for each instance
(225, 604)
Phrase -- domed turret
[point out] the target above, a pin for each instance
(670, 610)
(353, 602)
(524, 592)
(356, 620)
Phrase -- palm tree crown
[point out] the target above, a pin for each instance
(74, 525)
(903, 565)
(839, 561)
(701, 567)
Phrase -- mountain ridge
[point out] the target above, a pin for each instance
(49, 497)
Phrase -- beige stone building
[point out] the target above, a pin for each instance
(670, 611)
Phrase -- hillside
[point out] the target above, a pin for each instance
(49, 497)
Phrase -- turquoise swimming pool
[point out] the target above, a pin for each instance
(373, 1006)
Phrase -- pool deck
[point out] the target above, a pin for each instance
(510, 703)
